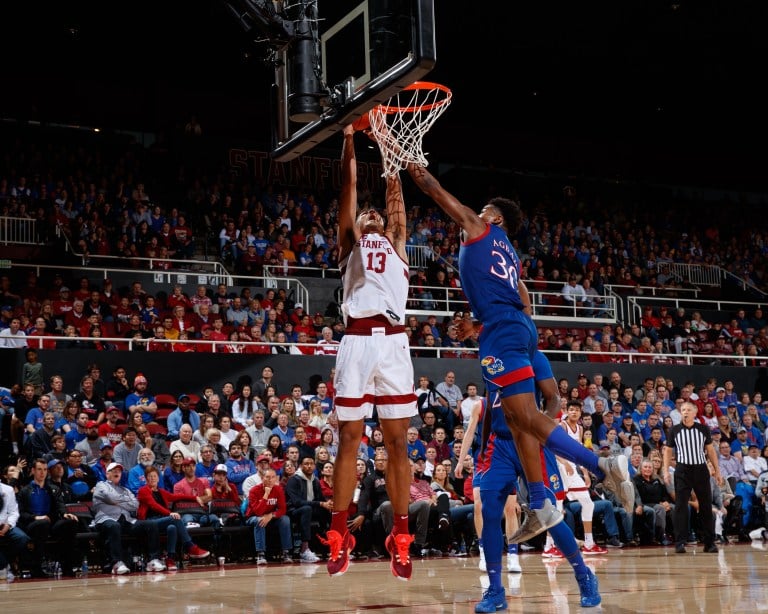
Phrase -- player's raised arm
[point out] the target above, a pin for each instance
(348, 203)
(396, 226)
(465, 217)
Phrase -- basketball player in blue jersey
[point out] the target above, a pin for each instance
(489, 269)
(373, 364)
(500, 474)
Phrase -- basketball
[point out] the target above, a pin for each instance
(361, 123)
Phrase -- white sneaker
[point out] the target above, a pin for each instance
(309, 557)
(513, 563)
(260, 560)
(193, 525)
(3, 573)
(758, 535)
(120, 569)
(481, 564)
(155, 565)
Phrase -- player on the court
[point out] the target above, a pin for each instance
(576, 485)
(373, 364)
(489, 269)
(499, 472)
(511, 508)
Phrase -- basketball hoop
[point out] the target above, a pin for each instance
(400, 124)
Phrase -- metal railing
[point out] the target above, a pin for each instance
(639, 358)
(276, 271)
(213, 267)
(421, 256)
(696, 274)
(189, 280)
(712, 276)
(294, 289)
(18, 231)
(552, 306)
(636, 304)
(179, 276)
(221, 347)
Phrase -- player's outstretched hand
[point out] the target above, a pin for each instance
(464, 329)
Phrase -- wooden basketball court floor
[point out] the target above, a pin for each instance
(650, 579)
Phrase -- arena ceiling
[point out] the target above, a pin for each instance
(670, 90)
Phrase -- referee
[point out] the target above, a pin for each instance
(690, 440)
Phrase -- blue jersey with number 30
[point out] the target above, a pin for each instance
(490, 269)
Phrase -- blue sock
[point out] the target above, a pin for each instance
(494, 576)
(480, 542)
(565, 541)
(511, 548)
(536, 494)
(561, 444)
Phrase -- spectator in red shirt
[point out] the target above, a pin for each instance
(297, 314)
(217, 332)
(39, 330)
(182, 321)
(109, 429)
(78, 318)
(150, 508)
(63, 304)
(123, 314)
(84, 291)
(266, 504)
(178, 297)
(202, 317)
(192, 486)
(183, 241)
(182, 345)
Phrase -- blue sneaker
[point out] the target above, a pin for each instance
(493, 601)
(590, 597)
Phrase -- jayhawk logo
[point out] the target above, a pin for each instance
(554, 481)
(492, 365)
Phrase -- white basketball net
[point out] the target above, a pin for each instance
(400, 124)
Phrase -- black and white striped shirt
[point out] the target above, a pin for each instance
(689, 443)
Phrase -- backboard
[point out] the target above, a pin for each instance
(349, 56)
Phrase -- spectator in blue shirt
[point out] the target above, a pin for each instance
(183, 414)
(239, 467)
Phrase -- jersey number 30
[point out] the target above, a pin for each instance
(504, 270)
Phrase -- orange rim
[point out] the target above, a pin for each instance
(418, 85)
(363, 122)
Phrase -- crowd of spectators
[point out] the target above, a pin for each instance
(661, 332)
(121, 203)
(118, 201)
(243, 430)
(96, 316)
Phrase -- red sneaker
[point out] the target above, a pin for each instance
(399, 548)
(170, 564)
(196, 552)
(594, 549)
(552, 553)
(340, 548)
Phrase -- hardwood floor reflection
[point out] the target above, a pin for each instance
(637, 580)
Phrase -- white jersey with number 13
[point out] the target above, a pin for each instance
(375, 280)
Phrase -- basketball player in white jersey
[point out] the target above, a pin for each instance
(575, 482)
(373, 364)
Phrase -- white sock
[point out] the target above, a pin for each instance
(589, 541)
